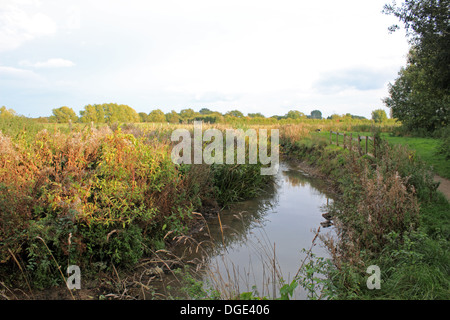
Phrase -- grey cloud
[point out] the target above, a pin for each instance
(358, 78)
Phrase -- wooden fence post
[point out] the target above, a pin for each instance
(367, 144)
(330, 136)
(351, 141)
(337, 138)
(374, 147)
(344, 140)
(359, 144)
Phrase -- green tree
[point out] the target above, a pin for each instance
(213, 117)
(108, 112)
(295, 114)
(173, 117)
(63, 115)
(428, 31)
(316, 114)
(143, 117)
(256, 115)
(188, 114)
(92, 113)
(415, 102)
(205, 111)
(156, 116)
(336, 117)
(420, 96)
(6, 113)
(234, 113)
(119, 113)
(379, 115)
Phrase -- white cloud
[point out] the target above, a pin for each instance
(256, 55)
(50, 63)
(16, 77)
(18, 25)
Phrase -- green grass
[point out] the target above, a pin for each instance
(418, 267)
(415, 264)
(426, 148)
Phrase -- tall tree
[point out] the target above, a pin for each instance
(188, 114)
(213, 117)
(256, 115)
(108, 112)
(92, 113)
(427, 27)
(235, 113)
(379, 115)
(6, 113)
(173, 117)
(63, 115)
(205, 111)
(420, 96)
(316, 114)
(415, 102)
(156, 116)
(143, 117)
(295, 114)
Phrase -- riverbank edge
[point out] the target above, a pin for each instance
(113, 286)
(17, 282)
(325, 162)
(128, 284)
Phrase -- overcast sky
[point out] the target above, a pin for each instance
(255, 56)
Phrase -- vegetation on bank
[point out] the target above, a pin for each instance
(389, 214)
(100, 198)
(434, 150)
(103, 197)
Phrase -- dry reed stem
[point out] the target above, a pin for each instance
(308, 253)
(57, 265)
(21, 270)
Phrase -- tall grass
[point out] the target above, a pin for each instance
(116, 192)
(101, 196)
(387, 215)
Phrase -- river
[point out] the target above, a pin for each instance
(256, 241)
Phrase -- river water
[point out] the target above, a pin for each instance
(256, 241)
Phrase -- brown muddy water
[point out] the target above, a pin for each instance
(256, 241)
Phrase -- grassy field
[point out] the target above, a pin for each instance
(383, 218)
(425, 148)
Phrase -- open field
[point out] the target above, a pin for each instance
(425, 148)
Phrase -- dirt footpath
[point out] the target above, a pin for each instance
(444, 186)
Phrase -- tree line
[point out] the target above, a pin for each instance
(112, 112)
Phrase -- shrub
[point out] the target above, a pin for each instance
(444, 145)
(233, 183)
(401, 159)
(94, 196)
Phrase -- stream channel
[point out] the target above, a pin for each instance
(258, 240)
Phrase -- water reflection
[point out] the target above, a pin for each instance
(258, 240)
